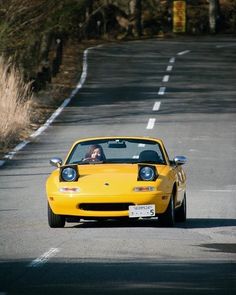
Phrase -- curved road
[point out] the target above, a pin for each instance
(182, 91)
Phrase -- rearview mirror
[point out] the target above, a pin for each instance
(180, 160)
(117, 144)
(57, 162)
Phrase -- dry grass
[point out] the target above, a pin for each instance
(15, 99)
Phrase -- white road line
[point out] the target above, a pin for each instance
(66, 101)
(156, 106)
(169, 68)
(41, 129)
(134, 157)
(166, 78)
(183, 52)
(151, 123)
(12, 153)
(162, 91)
(43, 258)
(172, 60)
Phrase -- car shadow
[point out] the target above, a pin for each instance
(207, 222)
(190, 223)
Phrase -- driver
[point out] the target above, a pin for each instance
(95, 154)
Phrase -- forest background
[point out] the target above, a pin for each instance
(42, 42)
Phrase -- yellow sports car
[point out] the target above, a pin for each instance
(117, 177)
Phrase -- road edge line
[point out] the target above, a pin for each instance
(55, 114)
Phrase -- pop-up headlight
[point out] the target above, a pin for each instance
(69, 173)
(147, 173)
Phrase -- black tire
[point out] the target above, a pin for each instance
(167, 219)
(55, 220)
(181, 212)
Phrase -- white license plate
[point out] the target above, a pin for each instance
(142, 211)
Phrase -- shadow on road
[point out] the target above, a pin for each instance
(190, 223)
(81, 276)
(207, 222)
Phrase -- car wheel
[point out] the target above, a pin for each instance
(55, 220)
(181, 212)
(167, 219)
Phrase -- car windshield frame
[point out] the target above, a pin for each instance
(117, 146)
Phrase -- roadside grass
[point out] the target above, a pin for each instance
(15, 100)
(22, 112)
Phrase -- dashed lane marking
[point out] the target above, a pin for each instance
(166, 78)
(183, 52)
(162, 91)
(169, 68)
(151, 123)
(43, 258)
(156, 106)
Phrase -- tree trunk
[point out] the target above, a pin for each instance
(213, 15)
(89, 9)
(138, 17)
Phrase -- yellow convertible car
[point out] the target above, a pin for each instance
(117, 177)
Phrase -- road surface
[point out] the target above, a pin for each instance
(181, 90)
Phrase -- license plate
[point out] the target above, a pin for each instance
(142, 211)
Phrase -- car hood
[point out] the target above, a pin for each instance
(107, 179)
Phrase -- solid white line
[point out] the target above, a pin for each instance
(66, 101)
(43, 258)
(12, 153)
(156, 106)
(151, 123)
(183, 52)
(172, 60)
(166, 78)
(162, 91)
(42, 128)
(51, 119)
(169, 68)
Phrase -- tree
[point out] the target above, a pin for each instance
(213, 15)
(136, 10)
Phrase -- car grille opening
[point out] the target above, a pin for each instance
(105, 206)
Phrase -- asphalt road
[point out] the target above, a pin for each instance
(182, 91)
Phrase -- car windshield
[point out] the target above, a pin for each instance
(117, 151)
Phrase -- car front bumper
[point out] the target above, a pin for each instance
(112, 206)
